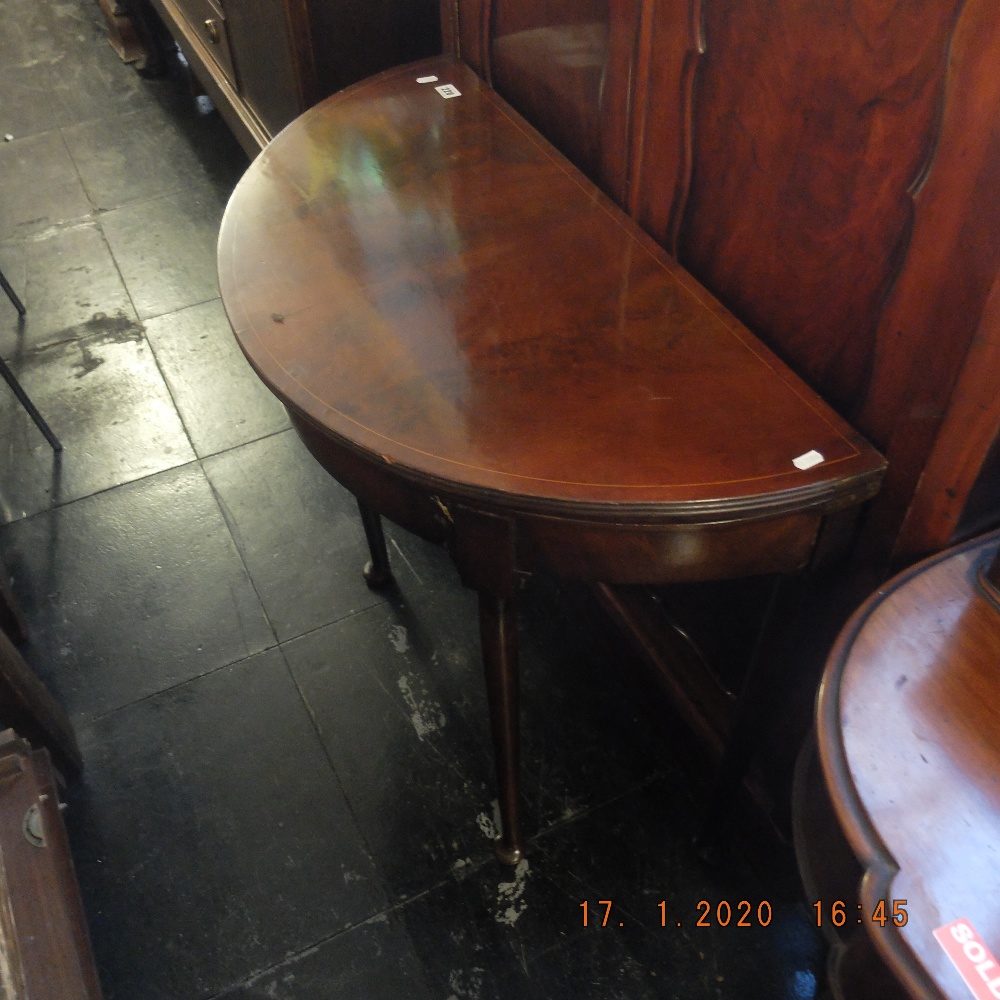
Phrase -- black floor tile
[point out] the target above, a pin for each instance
(374, 961)
(69, 285)
(211, 836)
(105, 399)
(478, 933)
(220, 398)
(14, 264)
(298, 532)
(416, 774)
(165, 249)
(50, 33)
(41, 187)
(73, 70)
(626, 963)
(150, 153)
(636, 853)
(28, 107)
(94, 86)
(132, 591)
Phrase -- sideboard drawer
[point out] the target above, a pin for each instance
(209, 24)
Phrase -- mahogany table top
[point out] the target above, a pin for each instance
(429, 282)
(909, 737)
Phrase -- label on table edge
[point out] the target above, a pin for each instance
(808, 460)
(969, 954)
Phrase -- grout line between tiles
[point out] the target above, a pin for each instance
(172, 687)
(375, 918)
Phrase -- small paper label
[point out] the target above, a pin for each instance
(448, 90)
(808, 460)
(974, 961)
(427, 79)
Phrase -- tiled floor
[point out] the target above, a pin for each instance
(288, 784)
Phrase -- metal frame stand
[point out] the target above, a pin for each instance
(12, 381)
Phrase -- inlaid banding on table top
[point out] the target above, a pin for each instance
(444, 259)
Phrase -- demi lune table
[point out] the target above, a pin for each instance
(480, 346)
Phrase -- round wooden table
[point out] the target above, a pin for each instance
(909, 740)
(480, 346)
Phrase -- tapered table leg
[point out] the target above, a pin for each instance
(498, 633)
(378, 572)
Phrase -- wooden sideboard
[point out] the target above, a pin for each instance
(263, 62)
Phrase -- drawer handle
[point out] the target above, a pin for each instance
(213, 30)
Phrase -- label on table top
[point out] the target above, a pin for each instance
(427, 79)
(448, 90)
(974, 961)
(808, 460)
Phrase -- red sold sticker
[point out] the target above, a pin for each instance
(974, 961)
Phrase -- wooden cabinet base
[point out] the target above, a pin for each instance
(263, 63)
(44, 946)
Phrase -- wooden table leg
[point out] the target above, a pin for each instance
(498, 634)
(482, 548)
(378, 572)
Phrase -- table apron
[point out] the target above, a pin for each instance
(519, 542)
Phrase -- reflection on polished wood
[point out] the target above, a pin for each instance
(480, 346)
(909, 737)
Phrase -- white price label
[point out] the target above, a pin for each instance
(808, 460)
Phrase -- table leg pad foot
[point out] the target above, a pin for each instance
(508, 855)
(377, 579)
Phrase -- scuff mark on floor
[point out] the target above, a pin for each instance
(466, 984)
(490, 825)
(510, 895)
(397, 636)
(462, 867)
(425, 713)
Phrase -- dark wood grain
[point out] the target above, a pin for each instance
(826, 171)
(909, 740)
(807, 145)
(670, 49)
(930, 372)
(450, 39)
(412, 240)
(473, 26)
